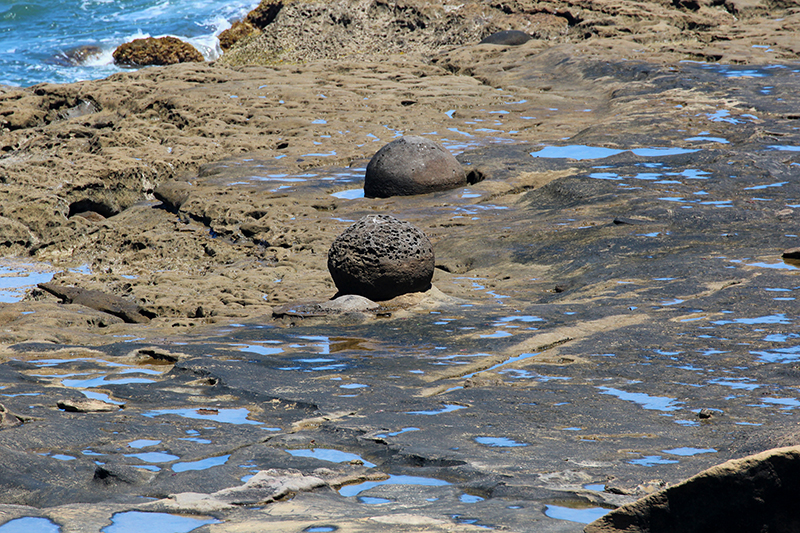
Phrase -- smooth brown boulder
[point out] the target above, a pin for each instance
(107, 303)
(156, 51)
(507, 38)
(412, 165)
(753, 494)
(380, 257)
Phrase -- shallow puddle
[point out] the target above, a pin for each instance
(658, 403)
(201, 464)
(355, 490)
(30, 524)
(583, 515)
(652, 460)
(225, 416)
(499, 442)
(333, 456)
(17, 278)
(446, 408)
(689, 451)
(137, 522)
(581, 152)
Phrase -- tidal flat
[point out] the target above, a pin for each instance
(611, 311)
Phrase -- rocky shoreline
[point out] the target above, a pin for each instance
(608, 296)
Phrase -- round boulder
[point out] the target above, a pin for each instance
(412, 165)
(380, 257)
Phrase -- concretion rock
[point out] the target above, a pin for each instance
(412, 165)
(507, 38)
(755, 493)
(156, 51)
(380, 257)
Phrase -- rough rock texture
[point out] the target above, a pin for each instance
(156, 51)
(238, 30)
(380, 257)
(753, 494)
(253, 23)
(412, 165)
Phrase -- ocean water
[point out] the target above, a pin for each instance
(39, 37)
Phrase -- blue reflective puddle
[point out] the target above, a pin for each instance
(154, 457)
(368, 500)
(768, 319)
(652, 460)
(778, 355)
(137, 521)
(580, 152)
(258, 348)
(396, 433)
(30, 524)
(349, 194)
(447, 408)
(355, 490)
(333, 456)
(499, 442)
(688, 451)
(102, 381)
(595, 487)
(784, 403)
(657, 403)
(143, 443)
(583, 515)
(202, 464)
(227, 416)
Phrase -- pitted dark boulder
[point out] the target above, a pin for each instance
(412, 165)
(380, 257)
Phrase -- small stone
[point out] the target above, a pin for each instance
(380, 257)
(507, 38)
(87, 406)
(705, 413)
(349, 303)
(412, 165)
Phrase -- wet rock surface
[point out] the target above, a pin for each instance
(610, 312)
(380, 257)
(412, 165)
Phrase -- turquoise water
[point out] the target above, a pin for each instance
(37, 36)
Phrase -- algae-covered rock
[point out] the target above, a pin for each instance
(156, 51)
